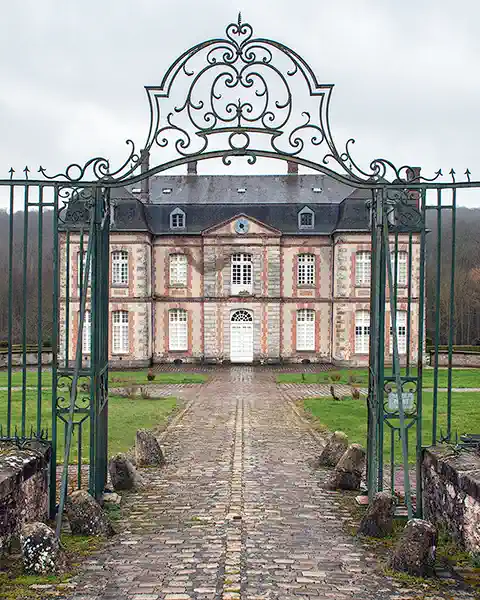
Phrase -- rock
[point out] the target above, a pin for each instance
(41, 550)
(334, 449)
(86, 516)
(378, 520)
(415, 551)
(147, 450)
(349, 469)
(112, 498)
(123, 474)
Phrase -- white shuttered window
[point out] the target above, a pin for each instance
(178, 330)
(178, 269)
(306, 269)
(306, 329)
(120, 267)
(362, 332)
(81, 269)
(402, 262)
(120, 332)
(363, 268)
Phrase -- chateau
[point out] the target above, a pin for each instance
(241, 269)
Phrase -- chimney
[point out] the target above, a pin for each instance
(145, 183)
(292, 168)
(192, 168)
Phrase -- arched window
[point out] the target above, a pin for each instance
(306, 329)
(362, 332)
(363, 268)
(177, 219)
(87, 332)
(119, 267)
(306, 218)
(242, 274)
(177, 329)
(120, 342)
(306, 269)
(401, 332)
(241, 316)
(178, 269)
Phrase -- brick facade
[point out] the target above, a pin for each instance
(207, 297)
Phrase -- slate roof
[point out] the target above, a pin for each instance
(210, 200)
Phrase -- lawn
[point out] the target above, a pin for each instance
(461, 378)
(116, 378)
(125, 416)
(350, 416)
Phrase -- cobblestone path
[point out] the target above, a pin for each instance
(237, 513)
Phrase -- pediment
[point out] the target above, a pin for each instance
(230, 226)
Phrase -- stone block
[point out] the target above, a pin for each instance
(415, 551)
(378, 520)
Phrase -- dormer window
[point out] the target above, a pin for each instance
(177, 219)
(306, 218)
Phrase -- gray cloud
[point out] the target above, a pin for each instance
(406, 78)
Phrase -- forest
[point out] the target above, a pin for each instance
(27, 266)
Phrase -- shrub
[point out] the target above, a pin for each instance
(150, 375)
(335, 377)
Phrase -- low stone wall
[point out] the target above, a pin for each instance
(24, 479)
(459, 359)
(451, 484)
(32, 358)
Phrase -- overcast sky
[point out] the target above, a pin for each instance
(406, 72)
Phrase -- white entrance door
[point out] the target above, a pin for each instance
(241, 337)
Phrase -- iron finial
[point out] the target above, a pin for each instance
(26, 170)
(239, 19)
(11, 171)
(468, 173)
(452, 173)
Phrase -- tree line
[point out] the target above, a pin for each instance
(26, 277)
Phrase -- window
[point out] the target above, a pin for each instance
(306, 329)
(306, 218)
(402, 260)
(306, 269)
(178, 269)
(363, 268)
(177, 219)
(81, 269)
(401, 332)
(177, 331)
(242, 273)
(120, 332)
(87, 332)
(362, 332)
(120, 267)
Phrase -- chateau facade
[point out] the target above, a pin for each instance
(241, 269)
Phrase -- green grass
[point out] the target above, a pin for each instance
(350, 416)
(461, 378)
(116, 378)
(125, 416)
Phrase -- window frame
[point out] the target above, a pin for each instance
(362, 332)
(364, 278)
(308, 342)
(178, 212)
(122, 329)
(306, 264)
(87, 331)
(241, 269)
(82, 271)
(122, 265)
(306, 210)
(174, 324)
(401, 335)
(177, 265)
(402, 281)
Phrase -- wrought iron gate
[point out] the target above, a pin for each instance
(236, 100)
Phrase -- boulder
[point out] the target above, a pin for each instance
(147, 450)
(112, 498)
(415, 551)
(378, 520)
(334, 449)
(123, 474)
(41, 550)
(348, 472)
(86, 516)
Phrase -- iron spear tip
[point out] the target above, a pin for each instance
(239, 19)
